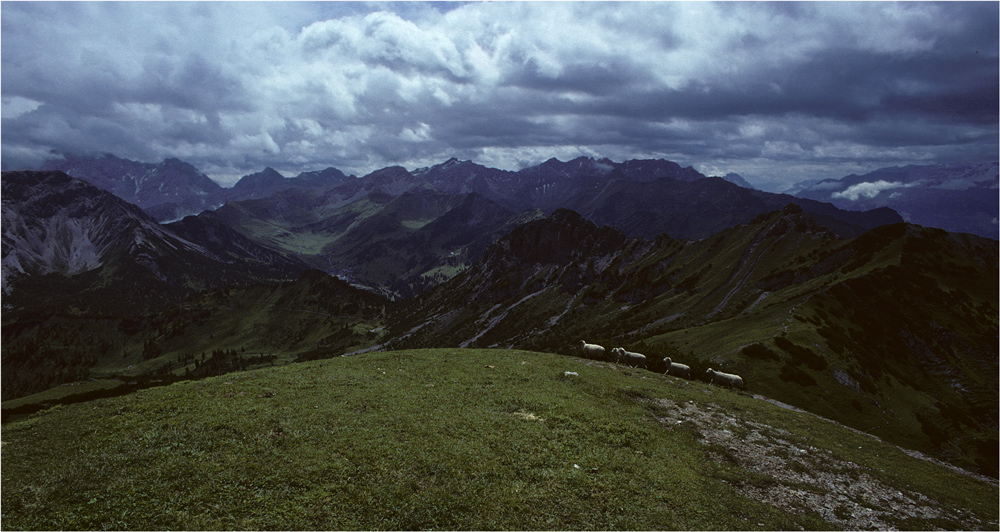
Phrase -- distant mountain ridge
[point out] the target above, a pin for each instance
(67, 242)
(268, 181)
(173, 188)
(642, 197)
(166, 190)
(669, 198)
(955, 197)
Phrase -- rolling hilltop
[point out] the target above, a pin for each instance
(465, 439)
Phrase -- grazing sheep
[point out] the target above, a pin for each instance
(592, 350)
(727, 379)
(676, 369)
(636, 360)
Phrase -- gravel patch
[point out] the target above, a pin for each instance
(798, 478)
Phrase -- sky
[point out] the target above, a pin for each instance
(777, 92)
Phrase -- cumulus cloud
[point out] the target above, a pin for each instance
(780, 92)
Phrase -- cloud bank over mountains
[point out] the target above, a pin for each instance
(868, 189)
(776, 92)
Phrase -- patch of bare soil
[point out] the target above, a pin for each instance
(798, 478)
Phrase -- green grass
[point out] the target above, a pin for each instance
(439, 438)
(65, 392)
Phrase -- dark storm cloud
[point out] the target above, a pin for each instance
(778, 92)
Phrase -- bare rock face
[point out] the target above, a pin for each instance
(57, 224)
(66, 242)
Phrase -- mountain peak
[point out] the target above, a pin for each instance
(167, 190)
(319, 178)
(737, 179)
(263, 182)
(569, 217)
(563, 237)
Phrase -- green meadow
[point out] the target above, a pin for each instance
(447, 438)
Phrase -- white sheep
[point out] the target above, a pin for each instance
(629, 358)
(592, 350)
(677, 369)
(727, 379)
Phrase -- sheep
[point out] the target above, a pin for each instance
(629, 358)
(727, 379)
(592, 350)
(677, 369)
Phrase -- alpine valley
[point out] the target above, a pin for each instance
(123, 274)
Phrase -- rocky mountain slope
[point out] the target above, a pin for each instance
(68, 243)
(166, 191)
(955, 197)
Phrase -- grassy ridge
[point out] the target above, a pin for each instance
(893, 332)
(438, 438)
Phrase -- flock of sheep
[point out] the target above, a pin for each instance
(638, 360)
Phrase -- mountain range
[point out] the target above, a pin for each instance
(327, 219)
(67, 243)
(884, 326)
(660, 195)
(173, 188)
(954, 197)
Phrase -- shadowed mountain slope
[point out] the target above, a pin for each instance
(894, 331)
(393, 234)
(208, 333)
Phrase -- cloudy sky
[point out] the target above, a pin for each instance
(779, 92)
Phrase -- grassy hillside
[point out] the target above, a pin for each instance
(893, 332)
(210, 333)
(463, 439)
